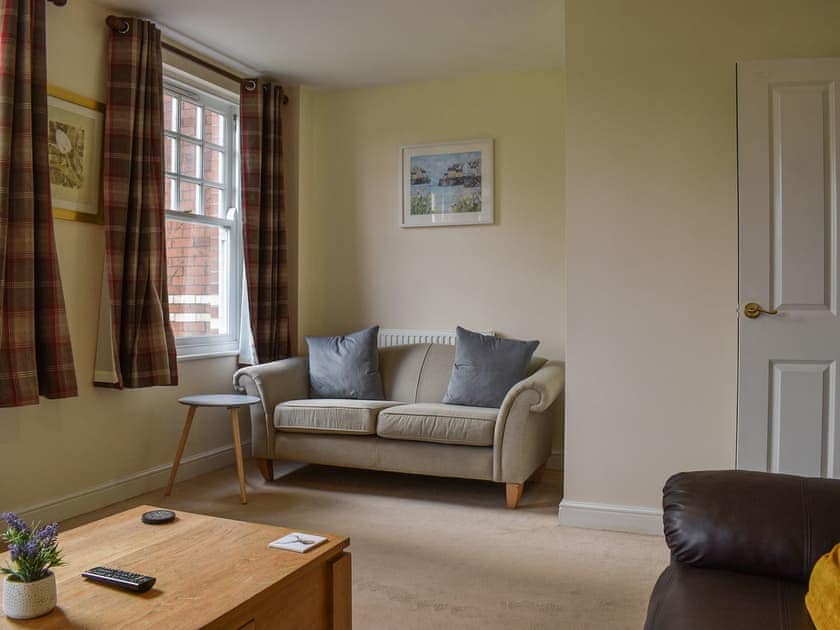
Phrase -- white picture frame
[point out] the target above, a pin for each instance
(449, 183)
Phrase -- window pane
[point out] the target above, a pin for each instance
(188, 197)
(170, 194)
(190, 159)
(214, 127)
(194, 259)
(213, 166)
(169, 152)
(190, 123)
(170, 111)
(214, 202)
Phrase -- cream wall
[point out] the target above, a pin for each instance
(63, 448)
(652, 230)
(358, 267)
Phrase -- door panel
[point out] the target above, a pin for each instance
(788, 231)
(801, 418)
(800, 127)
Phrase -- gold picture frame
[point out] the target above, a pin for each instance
(76, 132)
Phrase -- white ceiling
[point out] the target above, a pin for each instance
(367, 42)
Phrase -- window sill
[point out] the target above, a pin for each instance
(211, 347)
(187, 355)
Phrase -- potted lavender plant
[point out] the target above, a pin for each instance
(29, 586)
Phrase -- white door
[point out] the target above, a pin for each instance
(788, 264)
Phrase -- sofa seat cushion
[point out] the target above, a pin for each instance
(330, 415)
(438, 422)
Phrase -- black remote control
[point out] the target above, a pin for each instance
(123, 579)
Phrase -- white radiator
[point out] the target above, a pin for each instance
(405, 336)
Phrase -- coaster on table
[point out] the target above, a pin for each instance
(158, 517)
(296, 541)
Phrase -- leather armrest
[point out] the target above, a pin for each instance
(753, 522)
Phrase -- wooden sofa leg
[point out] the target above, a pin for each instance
(514, 493)
(266, 467)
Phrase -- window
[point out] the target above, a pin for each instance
(203, 237)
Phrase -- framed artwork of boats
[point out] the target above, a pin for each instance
(446, 184)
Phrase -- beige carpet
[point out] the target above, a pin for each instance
(445, 553)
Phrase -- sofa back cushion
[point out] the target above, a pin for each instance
(437, 369)
(400, 367)
(419, 373)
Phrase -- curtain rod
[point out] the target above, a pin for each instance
(122, 25)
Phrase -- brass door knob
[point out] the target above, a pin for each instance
(753, 310)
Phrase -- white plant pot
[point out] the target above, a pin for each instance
(25, 600)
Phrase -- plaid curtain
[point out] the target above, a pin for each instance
(35, 353)
(141, 338)
(264, 217)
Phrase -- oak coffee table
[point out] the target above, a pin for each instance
(211, 573)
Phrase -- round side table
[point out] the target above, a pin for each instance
(231, 402)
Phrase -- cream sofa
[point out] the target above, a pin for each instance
(411, 431)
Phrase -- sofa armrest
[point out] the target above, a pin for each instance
(522, 438)
(547, 383)
(275, 382)
(752, 522)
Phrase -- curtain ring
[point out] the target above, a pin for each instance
(126, 27)
(250, 85)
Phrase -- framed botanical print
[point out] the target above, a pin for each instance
(446, 184)
(76, 127)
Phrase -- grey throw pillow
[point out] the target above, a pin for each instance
(486, 368)
(345, 366)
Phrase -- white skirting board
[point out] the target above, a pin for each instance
(129, 486)
(620, 518)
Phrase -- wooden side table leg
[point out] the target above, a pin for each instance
(237, 447)
(184, 434)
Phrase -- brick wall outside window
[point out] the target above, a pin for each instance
(192, 264)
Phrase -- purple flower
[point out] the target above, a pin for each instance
(31, 548)
(15, 522)
(47, 535)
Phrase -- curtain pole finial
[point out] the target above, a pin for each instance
(118, 24)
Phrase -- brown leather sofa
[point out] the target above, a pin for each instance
(742, 548)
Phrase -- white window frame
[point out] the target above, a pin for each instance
(195, 90)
